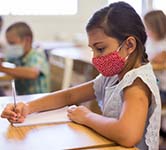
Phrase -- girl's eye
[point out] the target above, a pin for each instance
(100, 49)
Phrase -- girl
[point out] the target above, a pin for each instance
(126, 89)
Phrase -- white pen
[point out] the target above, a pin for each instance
(14, 93)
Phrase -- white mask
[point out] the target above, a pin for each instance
(13, 51)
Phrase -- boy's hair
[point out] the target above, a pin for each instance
(156, 22)
(119, 20)
(22, 30)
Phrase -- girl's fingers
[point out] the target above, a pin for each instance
(8, 113)
(16, 120)
(19, 109)
(22, 109)
(71, 108)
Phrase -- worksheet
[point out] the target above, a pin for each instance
(46, 117)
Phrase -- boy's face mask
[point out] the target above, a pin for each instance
(13, 51)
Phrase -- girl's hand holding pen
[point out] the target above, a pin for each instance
(15, 114)
(78, 114)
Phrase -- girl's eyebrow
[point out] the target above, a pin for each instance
(93, 45)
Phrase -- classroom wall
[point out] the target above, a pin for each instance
(62, 27)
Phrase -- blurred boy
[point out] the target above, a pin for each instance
(32, 70)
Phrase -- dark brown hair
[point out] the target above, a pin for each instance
(119, 20)
(156, 22)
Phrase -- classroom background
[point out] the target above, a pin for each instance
(58, 24)
(50, 26)
(59, 29)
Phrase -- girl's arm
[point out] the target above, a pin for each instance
(74, 95)
(54, 100)
(129, 128)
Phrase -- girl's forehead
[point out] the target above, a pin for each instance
(97, 33)
(97, 36)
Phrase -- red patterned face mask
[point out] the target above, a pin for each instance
(110, 64)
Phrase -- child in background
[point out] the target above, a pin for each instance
(32, 71)
(126, 89)
(2, 93)
(155, 22)
(1, 24)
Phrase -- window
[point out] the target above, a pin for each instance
(159, 4)
(137, 4)
(38, 7)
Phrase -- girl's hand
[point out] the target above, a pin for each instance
(15, 115)
(78, 114)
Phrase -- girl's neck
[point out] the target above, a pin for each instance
(125, 70)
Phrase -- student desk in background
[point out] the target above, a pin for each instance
(47, 46)
(57, 136)
(5, 78)
(71, 59)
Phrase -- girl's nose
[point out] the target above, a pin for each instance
(95, 54)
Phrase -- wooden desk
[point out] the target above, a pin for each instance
(159, 67)
(111, 148)
(51, 137)
(49, 45)
(5, 78)
(75, 53)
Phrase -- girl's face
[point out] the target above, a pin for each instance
(102, 44)
(112, 63)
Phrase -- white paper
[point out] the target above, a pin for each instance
(47, 117)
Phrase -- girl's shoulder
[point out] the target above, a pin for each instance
(144, 72)
(145, 75)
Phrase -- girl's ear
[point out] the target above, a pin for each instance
(130, 44)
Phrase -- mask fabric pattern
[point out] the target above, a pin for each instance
(109, 65)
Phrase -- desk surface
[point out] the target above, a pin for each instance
(52, 137)
(49, 45)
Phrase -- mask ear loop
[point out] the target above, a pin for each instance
(119, 48)
(126, 57)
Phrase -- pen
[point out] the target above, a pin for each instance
(14, 93)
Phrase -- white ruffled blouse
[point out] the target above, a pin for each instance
(109, 97)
